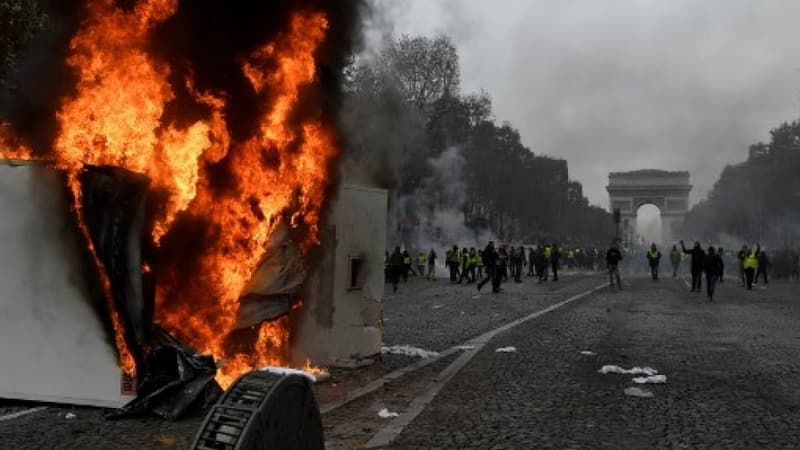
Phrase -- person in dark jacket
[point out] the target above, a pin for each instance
(502, 268)
(712, 265)
(763, 266)
(395, 267)
(555, 262)
(697, 265)
(613, 257)
(489, 257)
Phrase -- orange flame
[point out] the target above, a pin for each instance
(281, 173)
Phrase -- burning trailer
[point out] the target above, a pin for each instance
(57, 340)
(173, 179)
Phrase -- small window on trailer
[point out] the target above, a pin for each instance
(355, 275)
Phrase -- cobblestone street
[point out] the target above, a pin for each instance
(731, 369)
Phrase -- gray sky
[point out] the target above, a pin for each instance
(622, 85)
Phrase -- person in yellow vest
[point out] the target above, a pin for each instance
(654, 258)
(750, 264)
(452, 263)
(406, 265)
(422, 262)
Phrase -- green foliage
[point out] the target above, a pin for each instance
(759, 199)
(404, 109)
(20, 20)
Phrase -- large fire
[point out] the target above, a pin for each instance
(280, 173)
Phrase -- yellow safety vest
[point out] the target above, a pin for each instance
(750, 261)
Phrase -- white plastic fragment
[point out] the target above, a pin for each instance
(634, 371)
(465, 347)
(408, 350)
(70, 416)
(588, 353)
(289, 371)
(638, 392)
(386, 414)
(653, 379)
(509, 349)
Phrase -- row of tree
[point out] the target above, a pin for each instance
(404, 110)
(757, 200)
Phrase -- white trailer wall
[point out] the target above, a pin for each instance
(340, 323)
(52, 345)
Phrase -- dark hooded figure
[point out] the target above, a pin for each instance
(489, 257)
(712, 265)
(395, 268)
(697, 265)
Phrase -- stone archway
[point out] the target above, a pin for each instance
(668, 191)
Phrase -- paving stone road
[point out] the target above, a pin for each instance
(424, 314)
(732, 367)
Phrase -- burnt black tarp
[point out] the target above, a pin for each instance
(172, 380)
(176, 382)
(113, 211)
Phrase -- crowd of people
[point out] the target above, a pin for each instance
(498, 264)
(493, 263)
(752, 265)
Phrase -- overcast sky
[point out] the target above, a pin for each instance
(622, 85)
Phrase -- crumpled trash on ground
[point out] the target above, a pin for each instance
(386, 414)
(634, 371)
(653, 379)
(588, 353)
(638, 392)
(289, 371)
(509, 349)
(70, 415)
(408, 350)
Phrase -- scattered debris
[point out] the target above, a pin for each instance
(509, 349)
(635, 371)
(408, 350)
(588, 353)
(465, 347)
(386, 414)
(289, 371)
(437, 306)
(653, 379)
(70, 415)
(638, 392)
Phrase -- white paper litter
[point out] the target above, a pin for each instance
(386, 414)
(70, 416)
(465, 347)
(638, 392)
(289, 371)
(635, 371)
(408, 350)
(587, 352)
(506, 350)
(653, 379)
(436, 306)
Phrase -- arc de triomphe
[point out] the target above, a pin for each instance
(669, 191)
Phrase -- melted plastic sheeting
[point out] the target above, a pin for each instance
(175, 383)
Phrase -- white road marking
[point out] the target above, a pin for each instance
(19, 414)
(385, 436)
(469, 345)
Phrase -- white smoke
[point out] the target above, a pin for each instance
(433, 215)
